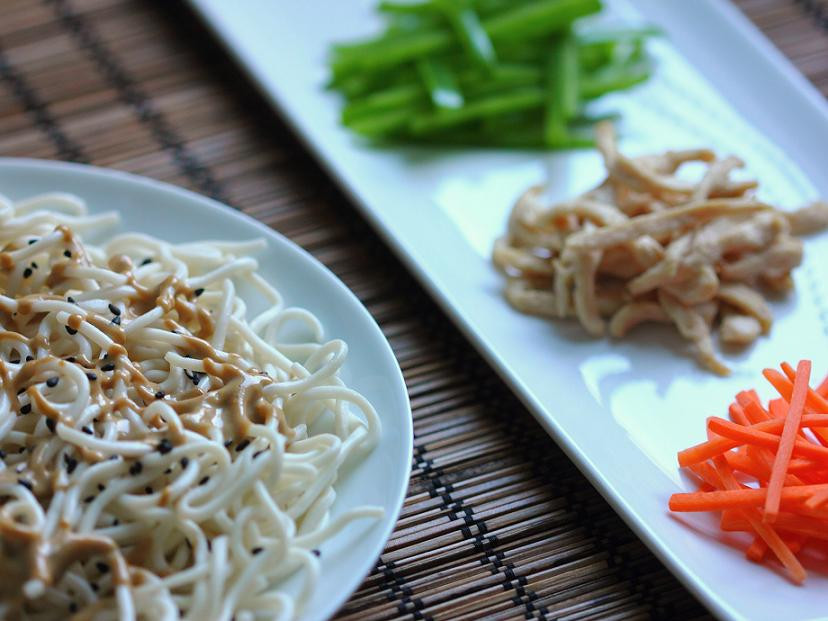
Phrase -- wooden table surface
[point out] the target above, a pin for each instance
(497, 522)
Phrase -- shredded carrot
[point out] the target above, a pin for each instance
(757, 550)
(768, 534)
(752, 435)
(788, 440)
(766, 470)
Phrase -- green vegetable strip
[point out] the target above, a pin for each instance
(475, 110)
(561, 88)
(470, 31)
(522, 22)
(538, 18)
(440, 84)
(397, 97)
(614, 78)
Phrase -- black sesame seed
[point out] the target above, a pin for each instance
(159, 394)
(111, 457)
(165, 446)
(71, 331)
(71, 300)
(257, 550)
(22, 449)
(71, 359)
(316, 552)
(242, 445)
(204, 481)
(102, 567)
(114, 309)
(168, 471)
(91, 376)
(198, 291)
(25, 409)
(148, 489)
(108, 367)
(116, 521)
(73, 607)
(29, 358)
(51, 424)
(136, 468)
(146, 261)
(31, 241)
(34, 265)
(116, 320)
(27, 272)
(67, 254)
(2, 454)
(52, 382)
(184, 462)
(71, 463)
(257, 453)
(95, 420)
(87, 431)
(94, 586)
(101, 487)
(15, 361)
(25, 484)
(228, 443)
(89, 499)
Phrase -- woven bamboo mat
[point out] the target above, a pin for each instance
(497, 523)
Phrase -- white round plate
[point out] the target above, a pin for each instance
(177, 215)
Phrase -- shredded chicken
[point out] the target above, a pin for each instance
(648, 245)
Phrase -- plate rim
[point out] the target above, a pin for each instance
(222, 210)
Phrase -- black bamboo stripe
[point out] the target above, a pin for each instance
(818, 11)
(132, 95)
(394, 583)
(66, 148)
(476, 530)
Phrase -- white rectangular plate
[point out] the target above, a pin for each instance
(620, 410)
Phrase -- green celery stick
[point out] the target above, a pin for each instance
(561, 87)
(466, 25)
(394, 98)
(518, 99)
(440, 84)
(614, 77)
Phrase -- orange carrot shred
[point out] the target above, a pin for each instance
(787, 440)
(766, 470)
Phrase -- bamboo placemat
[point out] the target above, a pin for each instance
(498, 522)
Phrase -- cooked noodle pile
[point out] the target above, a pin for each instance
(650, 246)
(162, 457)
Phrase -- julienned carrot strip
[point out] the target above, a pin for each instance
(756, 551)
(813, 403)
(706, 474)
(816, 500)
(765, 531)
(753, 409)
(737, 414)
(717, 446)
(731, 499)
(784, 386)
(756, 467)
(733, 520)
(752, 435)
(788, 440)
